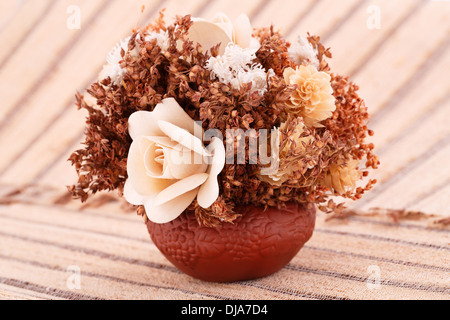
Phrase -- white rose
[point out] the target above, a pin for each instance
(221, 30)
(168, 166)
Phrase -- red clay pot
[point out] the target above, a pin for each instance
(258, 244)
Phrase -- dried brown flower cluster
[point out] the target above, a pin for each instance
(317, 158)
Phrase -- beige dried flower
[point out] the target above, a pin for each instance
(294, 137)
(293, 143)
(140, 79)
(340, 178)
(313, 99)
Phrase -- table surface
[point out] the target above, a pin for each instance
(53, 247)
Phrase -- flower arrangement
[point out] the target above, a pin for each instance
(164, 117)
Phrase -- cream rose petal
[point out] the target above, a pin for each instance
(131, 194)
(145, 123)
(179, 188)
(157, 150)
(243, 30)
(183, 137)
(137, 174)
(208, 35)
(166, 159)
(170, 210)
(209, 191)
(222, 20)
(184, 163)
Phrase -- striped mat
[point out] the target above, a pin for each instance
(53, 249)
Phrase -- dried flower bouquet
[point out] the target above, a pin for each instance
(205, 117)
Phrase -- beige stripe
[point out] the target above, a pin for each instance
(320, 19)
(379, 45)
(66, 124)
(425, 172)
(42, 66)
(351, 54)
(343, 20)
(69, 119)
(132, 263)
(97, 253)
(283, 17)
(110, 278)
(15, 33)
(428, 194)
(381, 259)
(398, 284)
(401, 172)
(127, 237)
(14, 293)
(233, 8)
(400, 225)
(47, 290)
(413, 81)
(384, 74)
(339, 275)
(132, 273)
(386, 239)
(289, 32)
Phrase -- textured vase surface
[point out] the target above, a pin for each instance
(256, 245)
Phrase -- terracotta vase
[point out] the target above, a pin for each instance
(258, 244)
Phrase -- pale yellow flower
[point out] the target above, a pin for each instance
(287, 168)
(342, 178)
(313, 99)
(294, 138)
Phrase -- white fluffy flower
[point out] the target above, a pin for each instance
(236, 67)
(302, 52)
(113, 68)
(162, 39)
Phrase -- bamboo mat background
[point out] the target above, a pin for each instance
(52, 247)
